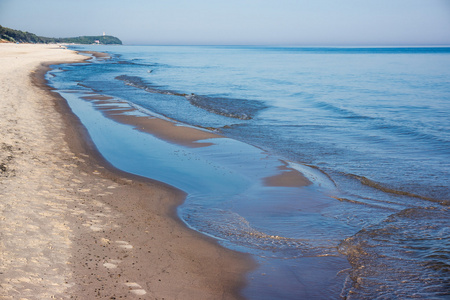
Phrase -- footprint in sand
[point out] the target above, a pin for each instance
(135, 288)
(124, 245)
(112, 264)
(109, 265)
(96, 227)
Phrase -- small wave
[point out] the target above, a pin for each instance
(317, 176)
(413, 131)
(403, 128)
(366, 203)
(88, 87)
(229, 107)
(407, 254)
(139, 83)
(126, 62)
(366, 181)
(348, 114)
(233, 108)
(231, 227)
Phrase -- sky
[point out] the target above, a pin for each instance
(237, 22)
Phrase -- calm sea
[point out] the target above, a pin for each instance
(369, 126)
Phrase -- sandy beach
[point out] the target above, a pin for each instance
(73, 227)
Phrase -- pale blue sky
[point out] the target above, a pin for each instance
(236, 22)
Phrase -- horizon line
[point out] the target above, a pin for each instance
(300, 45)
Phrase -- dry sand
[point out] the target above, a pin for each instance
(71, 226)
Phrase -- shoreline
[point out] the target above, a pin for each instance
(117, 248)
(274, 178)
(270, 272)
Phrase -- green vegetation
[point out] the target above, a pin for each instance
(17, 36)
(102, 39)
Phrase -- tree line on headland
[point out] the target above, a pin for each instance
(17, 36)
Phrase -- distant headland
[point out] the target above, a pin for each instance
(8, 35)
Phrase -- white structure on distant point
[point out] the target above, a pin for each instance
(104, 33)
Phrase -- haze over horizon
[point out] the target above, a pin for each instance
(232, 22)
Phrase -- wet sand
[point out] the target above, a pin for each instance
(72, 226)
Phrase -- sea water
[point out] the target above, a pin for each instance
(369, 126)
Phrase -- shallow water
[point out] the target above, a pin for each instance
(369, 127)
